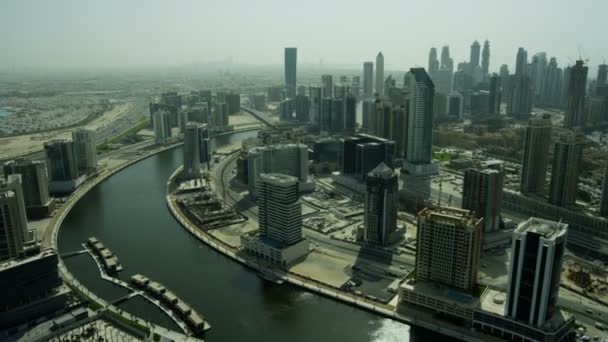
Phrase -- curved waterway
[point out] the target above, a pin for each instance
(128, 213)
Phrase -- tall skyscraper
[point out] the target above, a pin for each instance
(192, 146)
(534, 275)
(35, 183)
(505, 82)
(485, 58)
(443, 79)
(475, 53)
(537, 139)
(603, 209)
(380, 74)
(433, 62)
(482, 195)
(577, 85)
(381, 204)
(446, 61)
(85, 150)
(602, 75)
(521, 62)
(420, 121)
(279, 208)
(368, 79)
(552, 90)
(495, 94)
(448, 247)
(291, 61)
(368, 115)
(288, 159)
(13, 221)
(60, 160)
(328, 85)
(537, 72)
(521, 97)
(567, 160)
(161, 126)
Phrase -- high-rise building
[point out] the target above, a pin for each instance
(577, 85)
(420, 123)
(85, 150)
(537, 72)
(380, 74)
(60, 160)
(455, 110)
(552, 91)
(475, 54)
(521, 62)
(35, 184)
(13, 220)
(495, 94)
(485, 58)
(443, 79)
(521, 97)
(316, 95)
(504, 82)
(162, 127)
(233, 102)
(603, 209)
(368, 115)
(534, 275)
(220, 117)
(350, 112)
(338, 108)
(328, 85)
(279, 208)
(446, 61)
(448, 247)
(602, 75)
(433, 62)
(482, 195)
(291, 60)
(192, 146)
(567, 160)
(368, 79)
(302, 104)
(381, 204)
(537, 140)
(288, 159)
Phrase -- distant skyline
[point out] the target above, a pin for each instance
(116, 34)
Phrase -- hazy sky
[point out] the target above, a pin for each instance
(118, 33)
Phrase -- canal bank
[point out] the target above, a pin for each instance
(128, 212)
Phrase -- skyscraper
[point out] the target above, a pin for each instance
(85, 150)
(602, 75)
(603, 209)
(521, 97)
(13, 221)
(328, 85)
(279, 208)
(162, 127)
(482, 195)
(420, 122)
(537, 72)
(446, 61)
(448, 247)
(505, 82)
(35, 184)
(521, 63)
(534, 275)
(291, 60)
(368, 79)
(577, 85)
(495, 94)
(537, 139)
(567, 160)
(552, 90)
(381, 202)
(433, 62)
(485, 58)
(380, 74)
(60, 160)
(350, 112)
(475, 53)
(192, 146)
(288, 159)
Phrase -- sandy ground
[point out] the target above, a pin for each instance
(14, 146)
(329, 268)
(232, 234)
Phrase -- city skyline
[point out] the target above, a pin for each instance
(46, 36)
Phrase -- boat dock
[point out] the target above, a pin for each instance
(108, 259)
(195, 321)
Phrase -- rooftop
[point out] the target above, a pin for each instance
(548, 229)
(278, 178)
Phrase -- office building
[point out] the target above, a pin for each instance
(162, 127)
(192, 145)
(537, 73)
(13, 220)
(328, 85)
(433, 62)
(233, 102)
(302, 104)
(537, 140)
(577, 87)
(475, 54)
(519, 105)
(61, 166)
(603, 209)
(338, 115)
(279, 238)
(220, 117)
(381, 204)
(352, 163)
(316, 96)
(552, 91)
(350, 113)
(567, 161)
(368, 115)
(495, 95)
(521, 62)
(482, 195)
(275, 93)
(380, 74)
(480, 103)
(602, 75)
(31, 288)
(446, 61)
(443, 79)
(368, 79)
(288, 159)
(534, 275)
(485, 59)
(448, 247)
(35, 183)
(420, 124)
(455, 110)
(85, 150)
(504, 82)
(291, 60)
